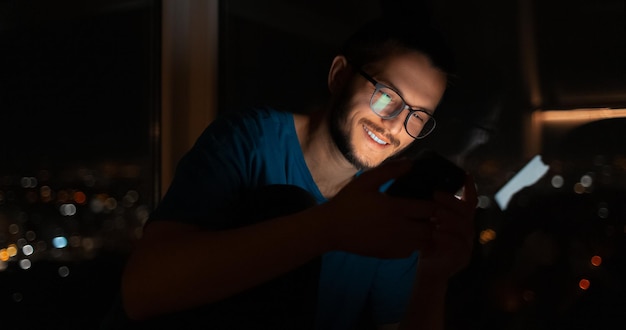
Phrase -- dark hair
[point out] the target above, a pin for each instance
(384, 37)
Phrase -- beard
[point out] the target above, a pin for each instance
(339, 110)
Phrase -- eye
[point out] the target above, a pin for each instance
(421, 115)
(386, 97)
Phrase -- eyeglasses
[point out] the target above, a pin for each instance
(387, 104)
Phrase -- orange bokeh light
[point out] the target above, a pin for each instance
(584, 284)
(487, 235)
(80, 197)
(596, 260)
(4, 255)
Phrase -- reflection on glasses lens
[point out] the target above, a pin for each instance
(380, 102)
(388, 104)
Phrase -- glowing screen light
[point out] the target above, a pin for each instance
(527, 176)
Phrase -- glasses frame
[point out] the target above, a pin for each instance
(378, 86)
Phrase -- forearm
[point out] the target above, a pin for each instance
(173, 272)
(426, 309)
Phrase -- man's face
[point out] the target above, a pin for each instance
(366, 139)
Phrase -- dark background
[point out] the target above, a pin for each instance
(79, 99)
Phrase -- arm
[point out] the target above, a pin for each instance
(449, 252)
(176, 266)
(427, 303)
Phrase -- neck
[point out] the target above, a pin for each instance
(329, 168)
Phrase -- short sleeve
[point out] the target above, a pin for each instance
(209, 176)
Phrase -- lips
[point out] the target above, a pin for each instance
(374, 136)
(378, 134)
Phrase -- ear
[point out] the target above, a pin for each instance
(339, 74)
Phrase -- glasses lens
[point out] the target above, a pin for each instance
(419, 124)
(386, 102)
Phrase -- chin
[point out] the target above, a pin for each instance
(367, 163)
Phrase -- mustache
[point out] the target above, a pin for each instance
(375, 128)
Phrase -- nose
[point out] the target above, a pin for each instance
(396, 124)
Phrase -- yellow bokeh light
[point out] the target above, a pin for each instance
(45, 191)
(12, 250)
(579, 188)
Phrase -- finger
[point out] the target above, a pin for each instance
(446, 200)
(470, 194)
(465, 237)
(447, 237)
(453, 214)
(418, 235)
(453, 220)
(469, 199)
(402, 239)
(413, 209)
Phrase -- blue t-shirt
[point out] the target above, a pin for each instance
(243, 150)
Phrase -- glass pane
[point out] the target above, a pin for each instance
(78, 93)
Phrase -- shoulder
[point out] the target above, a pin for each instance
(247, 123)
(261, 117)
(259, 114)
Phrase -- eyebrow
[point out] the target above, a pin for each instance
(395, 89)
(389, 85)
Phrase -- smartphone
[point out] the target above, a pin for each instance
(431, 172)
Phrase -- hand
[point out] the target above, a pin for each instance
(365, 221)
(453, 234)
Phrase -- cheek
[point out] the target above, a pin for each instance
(354, 110)
(358, 96)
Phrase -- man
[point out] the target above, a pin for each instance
(347, 252)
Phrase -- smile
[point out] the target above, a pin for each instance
(374, 137)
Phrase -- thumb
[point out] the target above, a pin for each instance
(375, 177)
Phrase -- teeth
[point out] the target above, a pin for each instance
(374, 137)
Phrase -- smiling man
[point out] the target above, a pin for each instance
(277, 220)
(377, 108)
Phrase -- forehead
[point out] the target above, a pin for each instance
(413, 75)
